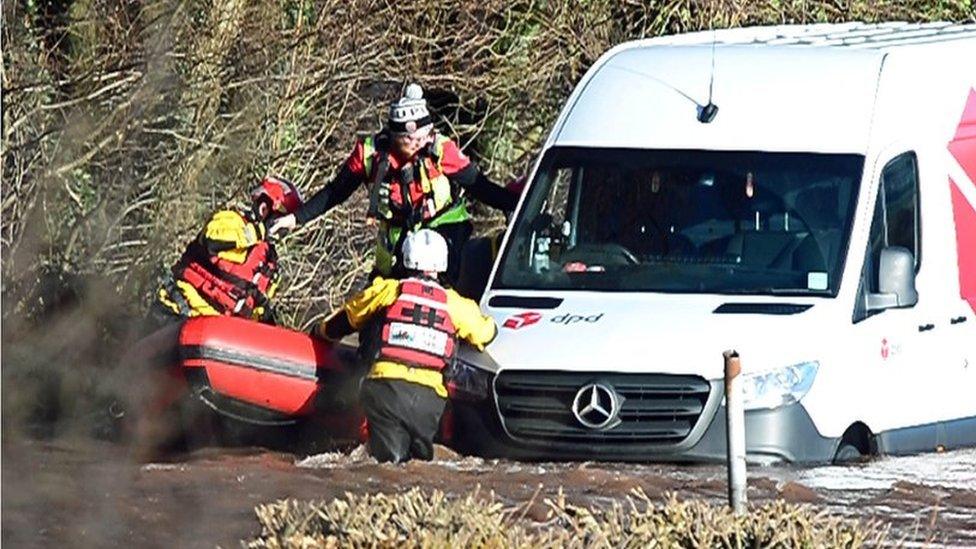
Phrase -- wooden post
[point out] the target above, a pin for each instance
(735, 430)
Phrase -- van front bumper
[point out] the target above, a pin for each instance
(784, 434)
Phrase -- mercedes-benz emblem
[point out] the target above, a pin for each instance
(597, 406)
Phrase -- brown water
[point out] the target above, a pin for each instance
(89, 494)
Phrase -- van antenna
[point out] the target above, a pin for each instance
(707, 113)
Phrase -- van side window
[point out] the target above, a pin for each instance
(895, 222)
(900, 191)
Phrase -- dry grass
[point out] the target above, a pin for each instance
(420, 518)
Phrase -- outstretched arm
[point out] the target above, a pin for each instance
(351, 175)
(461, 171)
(381, 293)
(483, 189)
(329, 196)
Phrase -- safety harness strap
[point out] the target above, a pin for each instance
(379, 188)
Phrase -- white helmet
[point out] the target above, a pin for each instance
(425, 250)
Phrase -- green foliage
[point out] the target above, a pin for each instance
(298, 14)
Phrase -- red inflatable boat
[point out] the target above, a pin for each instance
(262, 374)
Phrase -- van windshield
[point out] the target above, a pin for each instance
(684, 221)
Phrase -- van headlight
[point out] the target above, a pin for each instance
(775, 388)
(465, 381)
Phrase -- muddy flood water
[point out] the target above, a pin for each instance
(90, 494)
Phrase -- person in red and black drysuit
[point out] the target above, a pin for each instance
(404, 394)
(231, 267)
(416, 178)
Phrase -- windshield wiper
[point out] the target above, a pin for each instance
(778, 291)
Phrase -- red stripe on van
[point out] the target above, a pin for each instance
(965, 218)
(963, 145)
(963, 148)
(967, 125)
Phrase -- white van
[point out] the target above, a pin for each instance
(822, 224)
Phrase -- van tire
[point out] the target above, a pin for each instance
(847, 453)
(856, 444)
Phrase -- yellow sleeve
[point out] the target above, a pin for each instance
(381, 293)
(228, 230)
(473, 326)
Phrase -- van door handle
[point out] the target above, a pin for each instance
(957, 320)
(926, 327)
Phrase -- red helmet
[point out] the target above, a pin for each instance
(281, 195)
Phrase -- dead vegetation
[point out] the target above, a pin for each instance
(125, 124)
(420, 518)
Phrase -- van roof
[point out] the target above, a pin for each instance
(845, 35)
(806, 88)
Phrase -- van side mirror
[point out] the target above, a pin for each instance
(896, 280)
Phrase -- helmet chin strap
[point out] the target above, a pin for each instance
(428, 275)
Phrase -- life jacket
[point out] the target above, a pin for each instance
(418, 195)
(417, 329)
(428, 200)
(231, 288)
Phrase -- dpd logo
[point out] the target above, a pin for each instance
(522, 320)
(573, 319)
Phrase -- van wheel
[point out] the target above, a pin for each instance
(847, 453)
(856, 444)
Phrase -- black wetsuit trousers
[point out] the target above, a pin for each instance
(403, 419)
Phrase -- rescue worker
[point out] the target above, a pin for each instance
(404, 394)
(231, 268)
(416, 178)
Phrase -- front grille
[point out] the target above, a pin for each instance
(656, 409)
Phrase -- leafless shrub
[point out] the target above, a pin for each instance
(125, 124)
(419, 518)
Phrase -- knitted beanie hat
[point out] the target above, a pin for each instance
(409, 113)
